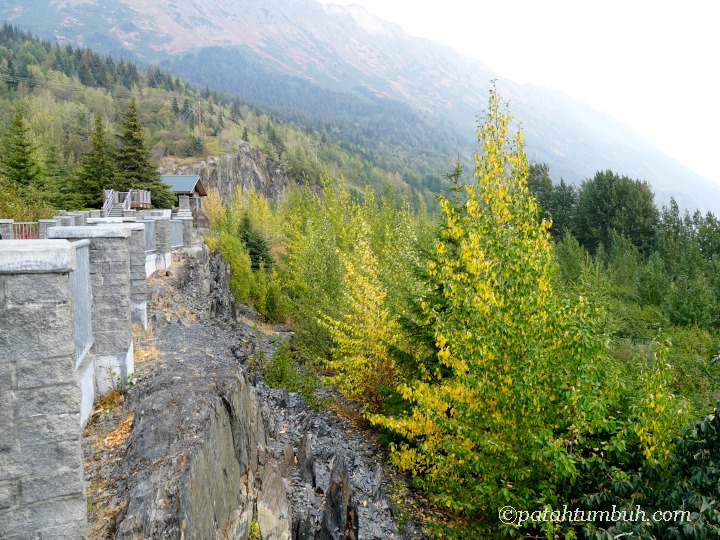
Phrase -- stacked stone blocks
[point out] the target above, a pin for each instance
(111, 313)
(42, 491)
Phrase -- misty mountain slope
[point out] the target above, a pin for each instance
(345, 49)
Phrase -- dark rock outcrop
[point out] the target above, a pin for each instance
(340, 516)
(210, 452)
(246, 168)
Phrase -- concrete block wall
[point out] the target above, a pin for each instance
(111, 313)
(138, 283)
(42, 492)
(6, 229)
(44, 225)
(187, 231)
(162, 243)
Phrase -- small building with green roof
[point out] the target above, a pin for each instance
(185, 184)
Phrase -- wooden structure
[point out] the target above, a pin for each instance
(115, 202)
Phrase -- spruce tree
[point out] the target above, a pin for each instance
(18, 161)
(133, 162)
(59, 189)
(97, 168)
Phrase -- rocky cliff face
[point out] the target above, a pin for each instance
(245, 168)
(214, 453)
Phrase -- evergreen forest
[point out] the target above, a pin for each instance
(63, 107)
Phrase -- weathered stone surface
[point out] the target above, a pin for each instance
(50, 429)
(274, 516)
(50, 486)
(36, 256)
(245, 169)
(49, 400)
(41, 458)
(51, 328)
(66, 514)
(36, 372)
(37, 289)
(87, 232)
(7, 378)
(340, 517)
(288, 460)
(305, 459)
(41, 480)
(9, 492)
(377, 491)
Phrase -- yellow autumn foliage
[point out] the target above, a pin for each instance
(523, 370)
(362, 335)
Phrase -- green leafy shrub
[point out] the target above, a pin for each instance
(282, 370)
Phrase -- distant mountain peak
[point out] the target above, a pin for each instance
(345, 48)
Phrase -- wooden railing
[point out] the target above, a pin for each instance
(140, 198)
(26, 231)
(109, 198)
(135, 198)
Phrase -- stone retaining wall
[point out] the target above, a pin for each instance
(83, 288)
(42, 492)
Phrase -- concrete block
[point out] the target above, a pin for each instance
(36, 256)
(7, 378)
(111, 367)
(67, 513)
(11, 466)
(38, 489)
(118, 282)
(44, 225)
(150, 264)
(50, 330)
(86, 374)
(61, 533)
(24, 289)
(47, 429)
(87, 232)
(41, 459)
(39, 372)
(109, 343)
(6, 229)
(7, 415)
(138, 313)
(93, 220)
(49, 400)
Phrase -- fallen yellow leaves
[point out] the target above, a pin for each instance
(116, 437)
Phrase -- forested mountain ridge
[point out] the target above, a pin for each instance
(343, 48)
(51, 97)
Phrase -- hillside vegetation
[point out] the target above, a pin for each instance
(52, 98)
(523, 345)
(507, 360)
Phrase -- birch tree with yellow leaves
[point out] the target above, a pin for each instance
(363, 333)
(526, 378)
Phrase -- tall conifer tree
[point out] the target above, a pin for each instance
(133, 162)
(97, 168)
(18, 161)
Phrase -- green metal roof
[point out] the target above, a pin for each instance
(184, 183)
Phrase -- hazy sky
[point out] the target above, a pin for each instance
(654, 65)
